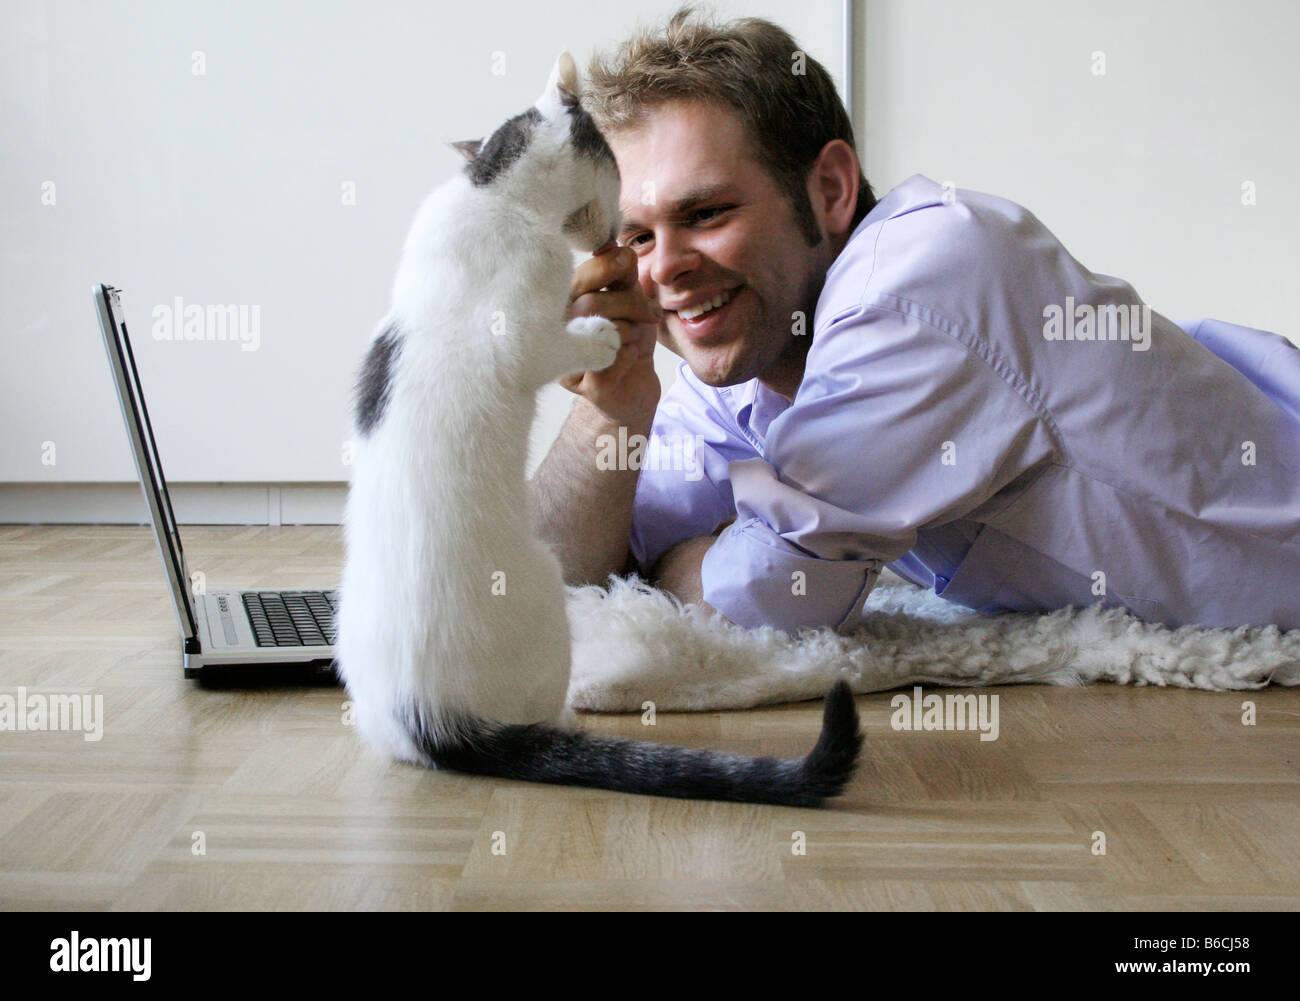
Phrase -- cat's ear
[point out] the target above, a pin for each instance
(563, 87)
(468, 148)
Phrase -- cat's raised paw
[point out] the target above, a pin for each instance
(599, 341)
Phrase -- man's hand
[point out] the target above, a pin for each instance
(628, 391)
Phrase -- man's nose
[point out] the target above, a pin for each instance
(673, 257)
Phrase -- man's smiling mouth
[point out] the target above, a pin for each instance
(703, 308)
(705, 318)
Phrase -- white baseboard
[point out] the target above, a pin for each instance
(194, 503)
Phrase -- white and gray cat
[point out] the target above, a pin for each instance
(452, 634)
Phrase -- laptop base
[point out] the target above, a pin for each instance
(315, 673)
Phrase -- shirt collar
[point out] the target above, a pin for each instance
(755, 406)
(917, 192)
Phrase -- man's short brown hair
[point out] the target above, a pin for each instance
(784, 98)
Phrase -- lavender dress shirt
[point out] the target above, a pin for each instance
(977, 416)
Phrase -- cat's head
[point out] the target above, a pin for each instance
(553, 159)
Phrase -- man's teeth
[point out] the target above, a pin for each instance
(721, 299)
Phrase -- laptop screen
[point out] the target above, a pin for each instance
(147, 463)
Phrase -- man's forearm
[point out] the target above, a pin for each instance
(678, 570)
(583, 512)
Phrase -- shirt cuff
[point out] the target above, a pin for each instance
(756, 578)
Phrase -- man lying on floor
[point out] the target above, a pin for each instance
(929, 382)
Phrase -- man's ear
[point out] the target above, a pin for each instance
(468, 148)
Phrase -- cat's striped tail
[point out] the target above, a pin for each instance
(542, 753)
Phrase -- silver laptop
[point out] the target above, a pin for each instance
(230, 635)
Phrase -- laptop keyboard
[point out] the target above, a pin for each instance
(292, 618)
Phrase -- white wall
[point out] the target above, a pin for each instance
(1139, 171)
(226, 187)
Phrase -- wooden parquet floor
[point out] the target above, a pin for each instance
(196, 798)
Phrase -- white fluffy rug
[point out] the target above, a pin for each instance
(633, 643)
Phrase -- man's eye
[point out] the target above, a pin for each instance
(699, 215)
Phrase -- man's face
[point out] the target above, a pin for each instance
(736, 236)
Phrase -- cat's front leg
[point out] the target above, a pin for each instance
(591, 344)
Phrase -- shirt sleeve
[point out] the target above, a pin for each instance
(684, 488)
(1268, 360)
(897, 425)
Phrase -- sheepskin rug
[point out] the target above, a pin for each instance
(634, 643)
